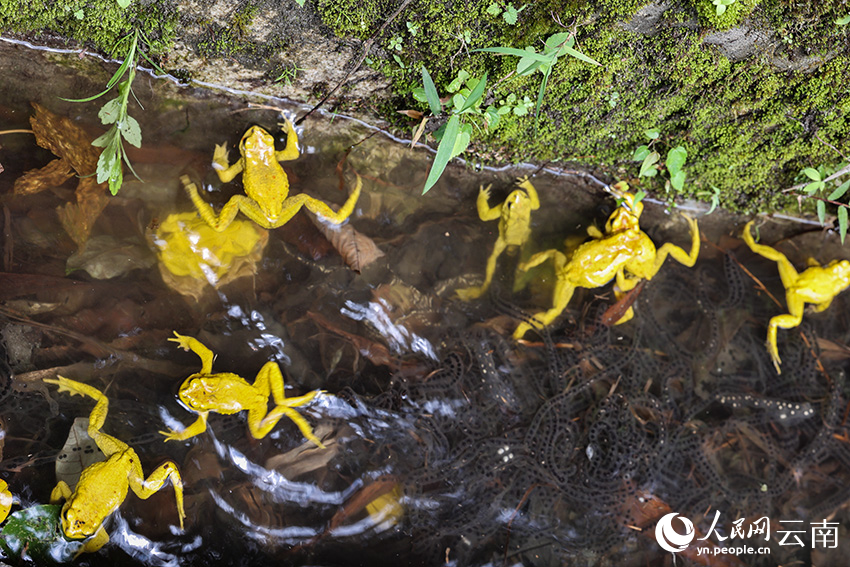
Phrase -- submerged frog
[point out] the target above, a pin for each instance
(227, 393)
(816, 284)
(103, 486)
(514, 216)
(266, 200)
(624, 252)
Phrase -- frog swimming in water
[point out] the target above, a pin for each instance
(103, 486)
(623, 252)
(816, 284)
(227, 393)
(266, 200)
(514, 216)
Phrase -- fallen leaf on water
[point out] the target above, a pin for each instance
(356, 249)
(374, 351)
(76, 155)
(106, 257)
(34, 533)
(79, 452)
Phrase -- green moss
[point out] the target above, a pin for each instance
(96, 23)
(749, 126)
(733, 15)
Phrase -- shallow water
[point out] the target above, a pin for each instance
(563, 449)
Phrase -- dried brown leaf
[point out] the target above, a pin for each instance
(415, 114)
(53, 174)
(357, 249)
(374, 351)
(78, 218)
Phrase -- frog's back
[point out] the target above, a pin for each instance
(224, 393)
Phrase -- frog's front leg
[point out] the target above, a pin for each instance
(217, 222)
(97, 540)
(198, 427)
(144, 488)
(196, 346)
(482, 204)
(292, 204)
(787, 272)
(475, 292)
(108, 444)
(533, 198)
(290, 152)
(60, 492)
(219, 164)
(561, 298)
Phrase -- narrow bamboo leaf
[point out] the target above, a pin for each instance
(476, 93)
(581, 56)
(444, 152)
(840, 191)
(431, 92)
(821, 208)
(540, 94)
(516, 52)
(527, 65)
(812, 174)
(842, 222)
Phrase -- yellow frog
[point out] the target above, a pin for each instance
(227, 393)
(6, 500)
(103, 486)
(816, 284)
(266, 185)
(624, 252)
(514, 218)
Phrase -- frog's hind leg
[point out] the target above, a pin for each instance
(270, 381)
(477, 291)
(108, 444)
(318, 207)
(561, 298)
(787, 272)
(144, 488)
(217, 222)
(669, 249)
(790, 320)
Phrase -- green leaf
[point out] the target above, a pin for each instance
(493, 118)
(419, 94)
(431, 92)
(116, 180)
(813, 187)
(647, 168)
(124, 3)
(105, 139)
(131, 131)
(676, 159)
(34, 533)
(581, 56)
(640, 153)
(476, 94)
(652, 133)
(559, 40)
(444, 152)
(510, 15)
(840, 191)
(516, 52)
(677, 180)
(458, 81)
(812, 174)
(79, 14)
(494, 9)
(109, 112)
(843, 22)
(842, 222)
(527, 65)
(821, 209)
(462, 140)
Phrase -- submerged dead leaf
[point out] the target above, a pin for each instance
(356, 249)
(79, 452)
(76, 155)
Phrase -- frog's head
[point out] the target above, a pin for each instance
(518, 202)
(257, 145)
(628, 211)
(194, 393)
(78, 522)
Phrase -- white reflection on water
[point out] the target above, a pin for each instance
(138, 546)
(399, 338)
(289, 534)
